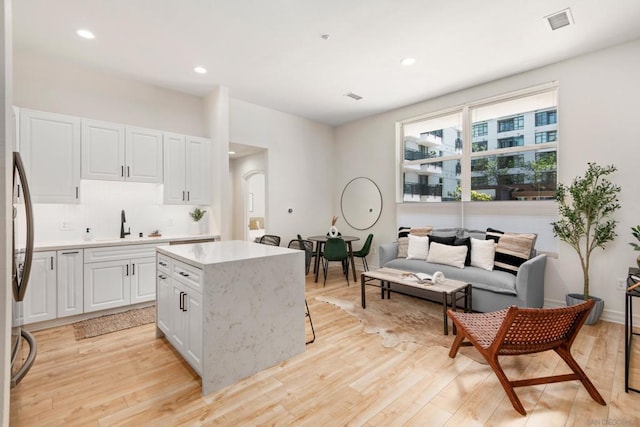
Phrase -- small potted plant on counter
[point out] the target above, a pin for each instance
(196, 216)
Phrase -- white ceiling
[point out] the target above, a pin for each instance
(271, 53)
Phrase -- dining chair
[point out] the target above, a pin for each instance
(335, 249)
(364, 251)
(270, 239)
(307, 247)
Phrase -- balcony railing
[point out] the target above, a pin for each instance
(419, 189)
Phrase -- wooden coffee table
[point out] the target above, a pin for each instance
(451, 290)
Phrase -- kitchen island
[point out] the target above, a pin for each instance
(231, 308)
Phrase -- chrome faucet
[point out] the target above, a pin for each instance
(123, 219)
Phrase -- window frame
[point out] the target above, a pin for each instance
(467, 155)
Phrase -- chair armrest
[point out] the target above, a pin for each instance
(530, 281)
(387, 252)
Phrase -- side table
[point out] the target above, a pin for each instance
(632, 278)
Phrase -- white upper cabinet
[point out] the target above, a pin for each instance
(116, 152)
(50, 149)
(143, 155)
(187, 170)
(102, 150)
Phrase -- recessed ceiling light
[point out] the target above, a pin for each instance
(85, 34)
(408, 61)
(200, 70)
(232, 153)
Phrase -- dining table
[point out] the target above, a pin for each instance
(321, 240)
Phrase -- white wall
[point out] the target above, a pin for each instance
(598, 111)
(48, 84)
(6, 160)
(300, 167)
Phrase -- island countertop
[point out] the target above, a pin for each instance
(202, 254)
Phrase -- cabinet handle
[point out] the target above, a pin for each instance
(163, 277)
(183, 196)
(128, 174)
(70, 253)
(18, 191)
(184, 303)
(162, 264)
(183, 274)
(188, 196)
(52, 263)
(134, 269)
(77, 192)
(181, 301)
(127, 270)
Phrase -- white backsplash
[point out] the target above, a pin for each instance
(100, 207)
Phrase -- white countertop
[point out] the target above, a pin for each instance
(81, 244)
(202, 254)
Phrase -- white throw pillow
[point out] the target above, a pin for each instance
(418, 247)
(447, 254)
(483, 253)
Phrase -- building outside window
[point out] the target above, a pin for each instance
(480, 129)
(513, 123)
(549, 136)
(544, 118)
(520, 166)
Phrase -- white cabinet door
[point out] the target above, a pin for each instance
(193, 341)
(180, 323)
(198, 171)
(106, 285)
(164, 301)
(50, 148)
(187, 170)
(102, 150)
(70, 283)
(39, 301)
(143, 279)
(143, 155)
(174, 169)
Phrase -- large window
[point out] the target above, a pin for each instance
(467, 151)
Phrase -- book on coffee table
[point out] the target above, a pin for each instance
(420, 277)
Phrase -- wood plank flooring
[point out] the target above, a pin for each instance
(345, 378)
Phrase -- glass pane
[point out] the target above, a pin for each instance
(529, 175)
(433, 137)
(432, 182)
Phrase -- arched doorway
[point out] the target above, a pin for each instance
(255, 206)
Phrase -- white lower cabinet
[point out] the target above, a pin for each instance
(106, 285)
(70, 282)
(118, 275)
(39, 301)
(180, 311)
(143, 282)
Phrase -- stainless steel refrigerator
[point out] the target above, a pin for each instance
(23, 345)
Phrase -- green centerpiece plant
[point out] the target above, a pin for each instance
(586, 208)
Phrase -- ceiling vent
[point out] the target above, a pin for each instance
(560, 19)
(354, 96)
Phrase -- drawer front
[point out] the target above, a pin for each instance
(114, 253)
(190, 276)
(163, 263)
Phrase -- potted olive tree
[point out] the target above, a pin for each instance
(585, 209)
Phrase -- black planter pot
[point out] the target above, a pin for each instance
(573, 299)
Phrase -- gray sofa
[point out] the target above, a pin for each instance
(491, 290)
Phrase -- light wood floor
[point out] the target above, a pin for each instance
(345, 378)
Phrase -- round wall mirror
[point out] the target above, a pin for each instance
(361, 203)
